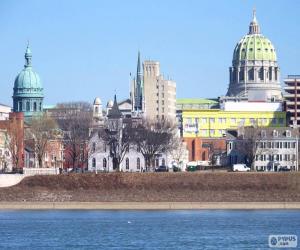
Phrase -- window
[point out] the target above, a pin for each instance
(94, 162)
(263, 133)
(27, 106)
(163, 162)
(203, 120)
(270, 73)
(104, 163)
(288, 133)
(251, 74)
(94, 147)
(20, 106)
(261, 73)
(127, 163)
(242, 74)
(274, 121)
(212, 120)
(156, 162)
(212, 132)
(252, 121)
(138, 163)
(275, 133)
(233, 120)
(40, 106)
(276, 73)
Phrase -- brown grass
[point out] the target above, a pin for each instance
(170, 187)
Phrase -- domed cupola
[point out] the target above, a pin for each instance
(28, 91)
(255, 72)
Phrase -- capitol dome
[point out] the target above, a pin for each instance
(254, 47)
(255, 73)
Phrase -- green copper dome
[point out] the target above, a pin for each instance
(254, 46)
(27, 82)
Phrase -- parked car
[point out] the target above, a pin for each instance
(284, 169)
(240, 168)
(162, 169)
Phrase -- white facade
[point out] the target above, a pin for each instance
(250, 106)
(4, 112)
(133, 161)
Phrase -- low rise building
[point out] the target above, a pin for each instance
(4, 112)
(266, 149)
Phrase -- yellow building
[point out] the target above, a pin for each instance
(205, 118)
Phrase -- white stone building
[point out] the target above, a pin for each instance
(275, 149)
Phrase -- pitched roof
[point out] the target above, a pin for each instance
(114, 112)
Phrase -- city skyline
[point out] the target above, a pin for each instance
(93, 62)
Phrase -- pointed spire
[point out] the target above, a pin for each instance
(28, 56)
(254, 27)
(254, 16)
(138, 71)
(114, 112)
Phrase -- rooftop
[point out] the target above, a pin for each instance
(196, 101)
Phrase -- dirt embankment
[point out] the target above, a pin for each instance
(169, 187)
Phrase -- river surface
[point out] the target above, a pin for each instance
(203, 229)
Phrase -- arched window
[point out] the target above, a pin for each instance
(27, 106)
(242, 74)
(34, 106)
(163, 162)
(138, 163)
(20, 106)
(94, 147)
(96, 110)
(251, 74)
(276, 74)
(104, 163)
(203, 156)
(156, 162)
(94, 163)
(261, 73)
(270, 73)
(40, 106)
(127, 163)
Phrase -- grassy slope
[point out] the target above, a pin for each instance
(157, 187)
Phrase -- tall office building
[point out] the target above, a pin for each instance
(159, 93)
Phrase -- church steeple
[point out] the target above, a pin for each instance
(254, 27)
(138, 88)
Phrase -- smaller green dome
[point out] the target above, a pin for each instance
(254, 47)
(28, 82)
(27, 78)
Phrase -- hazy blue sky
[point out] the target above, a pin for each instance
(83, 49)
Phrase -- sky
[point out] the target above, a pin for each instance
(84, 49)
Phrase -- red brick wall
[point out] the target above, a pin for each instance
(199, 153)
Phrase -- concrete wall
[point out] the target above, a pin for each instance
(7, 180)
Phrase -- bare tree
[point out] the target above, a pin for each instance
(42, 129)
(75, 119)
(153, 138)
(15, 142)
(178, 150)
(119, 142)
(251, 144)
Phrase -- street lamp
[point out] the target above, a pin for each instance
(55, 164)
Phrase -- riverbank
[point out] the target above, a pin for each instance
(168, 188)
(147, 205)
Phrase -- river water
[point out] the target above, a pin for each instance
(203, 229)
